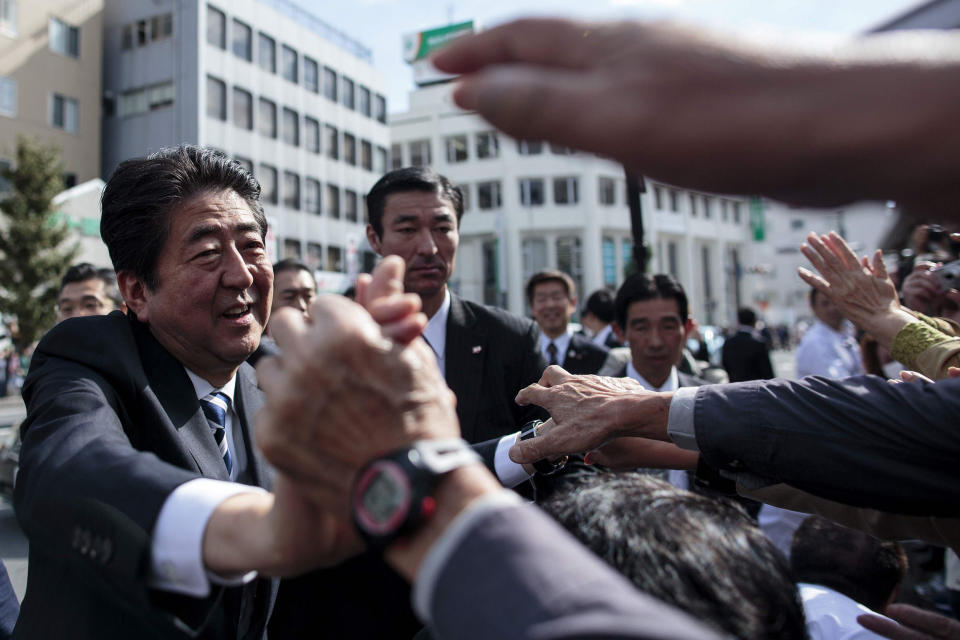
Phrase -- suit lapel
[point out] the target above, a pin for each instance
(178, 398)
(465, 352)
(249, 400)
(573, 354)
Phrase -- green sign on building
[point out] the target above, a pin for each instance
(757, 223)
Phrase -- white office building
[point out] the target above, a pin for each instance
(273, 86)
(532, 205)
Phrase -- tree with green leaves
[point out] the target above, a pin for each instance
(34, 252)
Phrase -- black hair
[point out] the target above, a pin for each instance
(405, 180)
(142, 192)
(83, 271)
(746, 316)
(854, 563)
(702, 554)
(551, 275)
(641, 286)
(600, 304)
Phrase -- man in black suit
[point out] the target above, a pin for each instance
(552, 296)
(139, 488)
(745, 356)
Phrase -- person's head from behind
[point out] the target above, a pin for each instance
(746, 317)
(415, 213)
(186, 231)
(599, 311)
(293, 285)
(854, 563)
(553, 299)
(87, 291)
(825, 311)
(700, 554)
(652, 318)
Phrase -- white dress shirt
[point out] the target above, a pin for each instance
(435, 333)
(562, 342)
(600, 337)
(831, 615)
(676, 477)
(825, 352)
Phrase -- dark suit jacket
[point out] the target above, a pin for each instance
(584, 357)
(746, 358)
(859, 440)
(113, 427)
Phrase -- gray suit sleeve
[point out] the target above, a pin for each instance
(517, 574)
(861, 440)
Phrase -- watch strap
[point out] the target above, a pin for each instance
(442, 456)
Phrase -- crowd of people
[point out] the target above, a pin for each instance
(407, 463)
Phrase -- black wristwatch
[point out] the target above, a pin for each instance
(543, 467)
(393, 494)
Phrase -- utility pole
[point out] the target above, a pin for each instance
(635, 187)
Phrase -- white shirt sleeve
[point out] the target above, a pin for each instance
(176, 552)
(509, 473)
(680, 426)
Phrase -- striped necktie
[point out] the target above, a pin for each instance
(552, 352)
(215, 406)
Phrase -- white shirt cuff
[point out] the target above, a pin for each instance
(176, 552)
(509, 472)
(447, 543)
(680, 426)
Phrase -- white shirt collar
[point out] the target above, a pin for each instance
(600, 337)
(562, 342)
(672, 383)
(203, 388)
(436, 330)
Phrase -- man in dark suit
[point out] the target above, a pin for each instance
(745, 356)
(552, 296)
(139, 485)
(597, 316)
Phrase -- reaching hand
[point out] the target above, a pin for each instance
(915, 624)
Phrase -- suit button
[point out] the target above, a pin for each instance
(735, 464)
(106, 550)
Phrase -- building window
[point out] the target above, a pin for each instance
(707, 205)
(534, 255)
(331, 142)
(8, 97)
(348, 94)
(161, 27)
(531, 192)
(674, 200)
(142, 100)
(289, 64)
(291, 190)
(607, 191)
(242, 108)
(330, 83)
(672, 259)
(724, 210)
(559, 150)
(363, 98)
(658, 198)
(796, 223)
(488, 195)
(311, 134)
(608, 252)
(267, 118)
(8, 17)
(420, 155)
(529, 148)
(380, 161)
(311, 196)
(242, 41)
(126, 36)
(565, 190)
(64, 38)
(380, 108)
(216, 27)
(268, 183)
(291, 127)
(570, 259)
(396, 157)
(335, 259)
(64, 113)
(366, 155)
(314, 256)
(736, 213)
(693, 204)
(266, 52)
(350, 148)
(626, 255)
(311, 78)
(333, 201)
(456, 147)
(291, 249)
(350, 205)
(488, 145)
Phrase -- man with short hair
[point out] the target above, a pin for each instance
(293, 285)
(88, 291)
(597, 317)
(828, 348)
(552, 297)
(745, 356)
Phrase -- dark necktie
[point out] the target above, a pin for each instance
(215, 407)
(552, 352)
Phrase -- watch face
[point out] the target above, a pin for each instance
(382, 498)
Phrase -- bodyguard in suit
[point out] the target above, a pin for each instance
(139, 488)
(552, 296)
(745, 356)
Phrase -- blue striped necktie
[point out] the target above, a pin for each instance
(215, 406)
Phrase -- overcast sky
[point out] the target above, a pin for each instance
(379, 24)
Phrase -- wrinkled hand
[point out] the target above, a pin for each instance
(863, 291)
(588, 411)
(629, 453)
(914, 624)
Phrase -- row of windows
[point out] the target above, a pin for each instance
(533, 192)
(335, 259)
(143, 99)
(326, 140)
(668, 199)
(143, 32)
(457, 149)
(63, 112)
(307, 194)
(337, 89)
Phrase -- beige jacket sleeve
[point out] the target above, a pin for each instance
(930, 346)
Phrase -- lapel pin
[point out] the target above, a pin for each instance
(477, 349)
